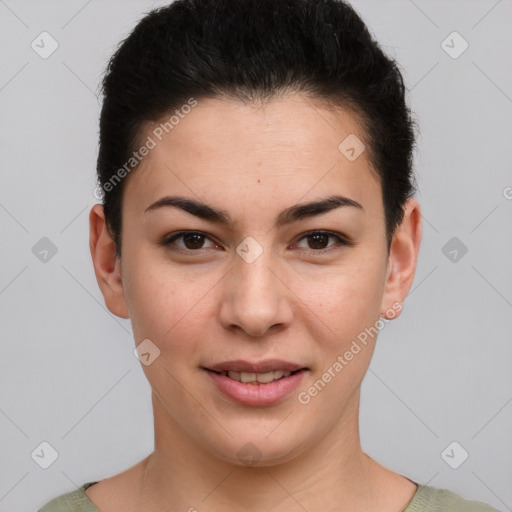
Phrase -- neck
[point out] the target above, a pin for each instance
(182, 475)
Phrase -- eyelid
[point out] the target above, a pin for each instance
(342, 240)
(168, 240)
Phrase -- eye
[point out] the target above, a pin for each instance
(318, 241)
(192, 241)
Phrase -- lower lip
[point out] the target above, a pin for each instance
(257, 394)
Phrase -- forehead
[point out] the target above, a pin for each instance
(223, 149)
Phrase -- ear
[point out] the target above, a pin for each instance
(402, 259)
(107, 266)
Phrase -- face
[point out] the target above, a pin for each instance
(245, 279)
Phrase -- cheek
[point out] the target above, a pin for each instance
(166, 306)
(347, 305)
(346, 298)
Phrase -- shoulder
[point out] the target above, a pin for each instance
(442, 500)
(75, 501)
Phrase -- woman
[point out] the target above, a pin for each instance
(258, 226)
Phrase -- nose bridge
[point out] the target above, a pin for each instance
(254, 298)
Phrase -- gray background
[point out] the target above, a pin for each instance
(441, 372)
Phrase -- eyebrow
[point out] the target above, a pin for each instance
(292, 214)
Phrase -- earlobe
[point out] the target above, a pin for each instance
(402, 259)
(107, 266)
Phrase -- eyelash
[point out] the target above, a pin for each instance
(341, 241)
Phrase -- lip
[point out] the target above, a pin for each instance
(268, 365)
(257, 395)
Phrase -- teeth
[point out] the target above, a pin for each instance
(262, 378)
(247, 377)
(265, 377)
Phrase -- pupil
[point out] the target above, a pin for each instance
(317, 240)
(194, 240)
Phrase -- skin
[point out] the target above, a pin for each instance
(210, 306)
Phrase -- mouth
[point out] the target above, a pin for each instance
(257, 379)
(256, 384)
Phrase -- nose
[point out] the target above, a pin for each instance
(256, 298)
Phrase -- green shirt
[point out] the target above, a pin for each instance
(426, 499)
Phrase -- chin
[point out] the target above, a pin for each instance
(252, 447)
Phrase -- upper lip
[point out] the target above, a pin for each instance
(269, 365)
